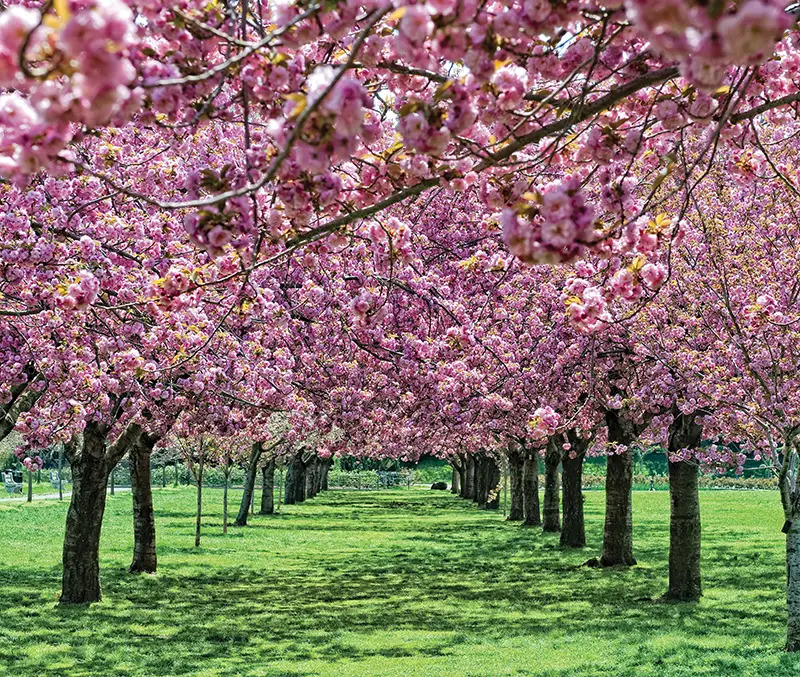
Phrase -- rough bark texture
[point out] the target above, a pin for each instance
(81, 578)
(268, 488)
(793, 584)
(249, 484)
(144, 523)
(684, 533)
(295, 480)
(516, 511)
(551, 518)
(573, 530)
(91, 461)
(491, 499)
(480, 481)
(530, 489)
(684, 516)
(618, 529)
(469, 484)
(326, 469)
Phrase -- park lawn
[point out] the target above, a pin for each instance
(394, 583)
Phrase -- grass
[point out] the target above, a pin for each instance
(395, 583)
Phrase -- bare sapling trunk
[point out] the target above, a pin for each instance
(530, 489)
(551, 518)
(198, 520)
(144, 525)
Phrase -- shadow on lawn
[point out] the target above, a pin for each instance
(445, 570)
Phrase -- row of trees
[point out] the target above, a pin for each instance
(329, 228)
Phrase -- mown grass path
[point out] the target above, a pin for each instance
(394, 583)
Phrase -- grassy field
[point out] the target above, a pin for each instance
(396, 583)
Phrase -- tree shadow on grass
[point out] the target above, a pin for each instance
(439, 577)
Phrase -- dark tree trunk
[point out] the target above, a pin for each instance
(516, 512)
(226, 476)
(249, 484)
(462, 477)
(90, 471)
(793, 579)
(530, 489)
(684, 516)
(300, 479)
(618, 531)
(326, 469)
(492, 498)
(480, 481)
(311, 471)
(144, 523)
(469, 484)
(268, 488)
(573, 531)
(289, 490)
(551, 519)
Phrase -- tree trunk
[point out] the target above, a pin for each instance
(268, 488)
(551, 519)
(249, 484)
(199, 504)
(455, 481)
(30, 486)
(573, 532)
(618, 530)
(530, 489)
(684, 533)
(300, 479)
(144, 524)
(492, 498)
(684, 515)
(311, 470)
(81, 576)
(480, 481)
(289, 490)
(469, 484)
(793, 584)
(225, 503)
(515, 466)
(60, 474)
(462, 477)
(325, 472)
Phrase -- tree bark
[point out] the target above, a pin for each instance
(551, 521)
(618, 529)
(325, 471)
(455, 481)
(81, 577)
(573, 531)
(249, 484)
(91, 466)
(144, 524)
(268, 488)
(516, 512)
(684, 516)
(793, 584)
(530, 489)
(310, 477)
(462, 477)
(199, 503)
(226, 474)
(469, 485)
(492, 497)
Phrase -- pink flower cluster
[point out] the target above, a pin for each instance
(544, 423)
(82, 74)
(79, 293)
(31, 463)
(556, 228)
(706, 41)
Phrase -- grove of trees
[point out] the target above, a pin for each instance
(499, 231)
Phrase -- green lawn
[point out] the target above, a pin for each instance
(394, 583)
